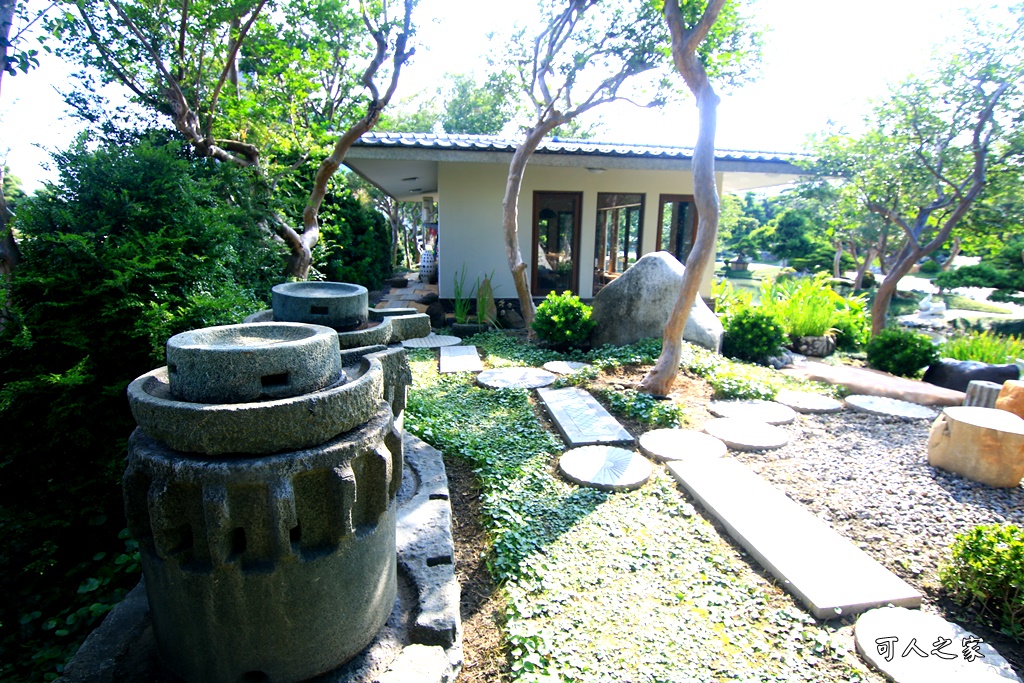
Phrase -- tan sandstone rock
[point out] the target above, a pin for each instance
(983, 444)
(1011, 397)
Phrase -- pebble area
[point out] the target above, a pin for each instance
(868, 477)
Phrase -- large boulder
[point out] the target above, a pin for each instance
(638, 304)
(957, 374)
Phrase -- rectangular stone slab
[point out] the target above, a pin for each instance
(821, 568)
(580, 419)
(459, 359)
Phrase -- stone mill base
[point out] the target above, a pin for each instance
(420, 643)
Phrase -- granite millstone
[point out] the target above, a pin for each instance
(605, 467)
(244, 363)
(769, 412)
(746, 435)
(885, 639)
(681, 444)
(377, 333)
(340, 305)
(413, 326)
(893, 407)
(238, 429)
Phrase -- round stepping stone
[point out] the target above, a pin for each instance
(431, 341)
(758, 411)
(515, 378)
(892, 407)
(564, 367)
(746, 435)
(807, 402)
(605, 467)
(885, 638)
(681, 444)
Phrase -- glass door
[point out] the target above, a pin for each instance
(677, 225)
(618, 235)
(556, 237)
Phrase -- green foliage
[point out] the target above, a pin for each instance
(901, 352)
(563, 320)
(753, 335)
(355, 242)
(985, 347)
(461, 301)
(1007, 283)
(930, 267)
(807, 307)
(132, 245)
(643, 408)
(986, 569)
(729, 299)
(479, 110)
(737, 381)
(643, 352)
(852, 327)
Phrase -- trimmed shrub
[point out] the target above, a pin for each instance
(752, 335)
(901, 352)
(930, 267)
(563, 320)
(986, 568)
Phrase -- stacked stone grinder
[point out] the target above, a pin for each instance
(261, 485)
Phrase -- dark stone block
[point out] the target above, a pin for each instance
(437, 315)
(957, 374)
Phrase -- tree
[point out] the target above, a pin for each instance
(701, 47)
(482, 110)
(242, 84)
(588, 46)
(934, 143)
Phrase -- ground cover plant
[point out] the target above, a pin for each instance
(598, 586)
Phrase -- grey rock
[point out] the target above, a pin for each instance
(881, 405)
(754, 410)
(638, 304)
(254, 428)
(381, 313)
(981, 393)
(957, 374)
(746, 435)
(420, 663)
(339, 305)
(410, 326)
(807, 402)
(608, 468)
(681, 444)
(515, 378)
(243, 363)
(438, 316)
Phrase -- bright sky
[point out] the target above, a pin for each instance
(823, 60)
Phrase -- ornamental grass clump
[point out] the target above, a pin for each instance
(986, 569)
(985, 347)
(807, 307)
(563, 320)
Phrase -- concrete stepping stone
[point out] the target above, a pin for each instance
(580, 419)
(605, 467)
(807, 402)
(891, 407)
(769, 412)
(681, 444)
(459, 359)
(515, 378)
(431, 341)
(910, 645)
(564, 367)
(826, 572)
(746, 435)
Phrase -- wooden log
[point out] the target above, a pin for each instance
(1011, 397)
(983, 444)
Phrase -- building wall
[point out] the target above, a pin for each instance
(469, 217)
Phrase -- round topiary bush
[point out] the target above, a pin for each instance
(986, 568)
(752, 335)
(901, 352)
(563, 320)
(930, 267)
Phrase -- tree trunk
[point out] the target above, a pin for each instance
(954, 251)
(662, 376)
(858, 282)
(6, 21)
(837, 261)
(510, 215)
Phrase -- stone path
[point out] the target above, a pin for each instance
(876, 383)
(769, 412)
(431, 341)
(459, 359)
(605, 467)
(564, 367)
(515, 378)
(880, 405)
(681, 444)
(885, 638)
(580, 419)
(826, 572)
(746, 435)
(806, 402)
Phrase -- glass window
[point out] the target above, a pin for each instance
(677, 224)
(618, 236)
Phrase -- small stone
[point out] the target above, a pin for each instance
(769, 412)
(681, 444)
(880, 405)
(515, 378)
(885, 639)
(746, 435)
(605, 467)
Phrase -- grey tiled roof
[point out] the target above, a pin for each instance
(497, 143)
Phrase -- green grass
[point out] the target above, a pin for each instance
(985, 347)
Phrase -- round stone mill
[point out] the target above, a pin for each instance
(261, 487)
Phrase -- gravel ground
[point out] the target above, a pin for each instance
(868, 477)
